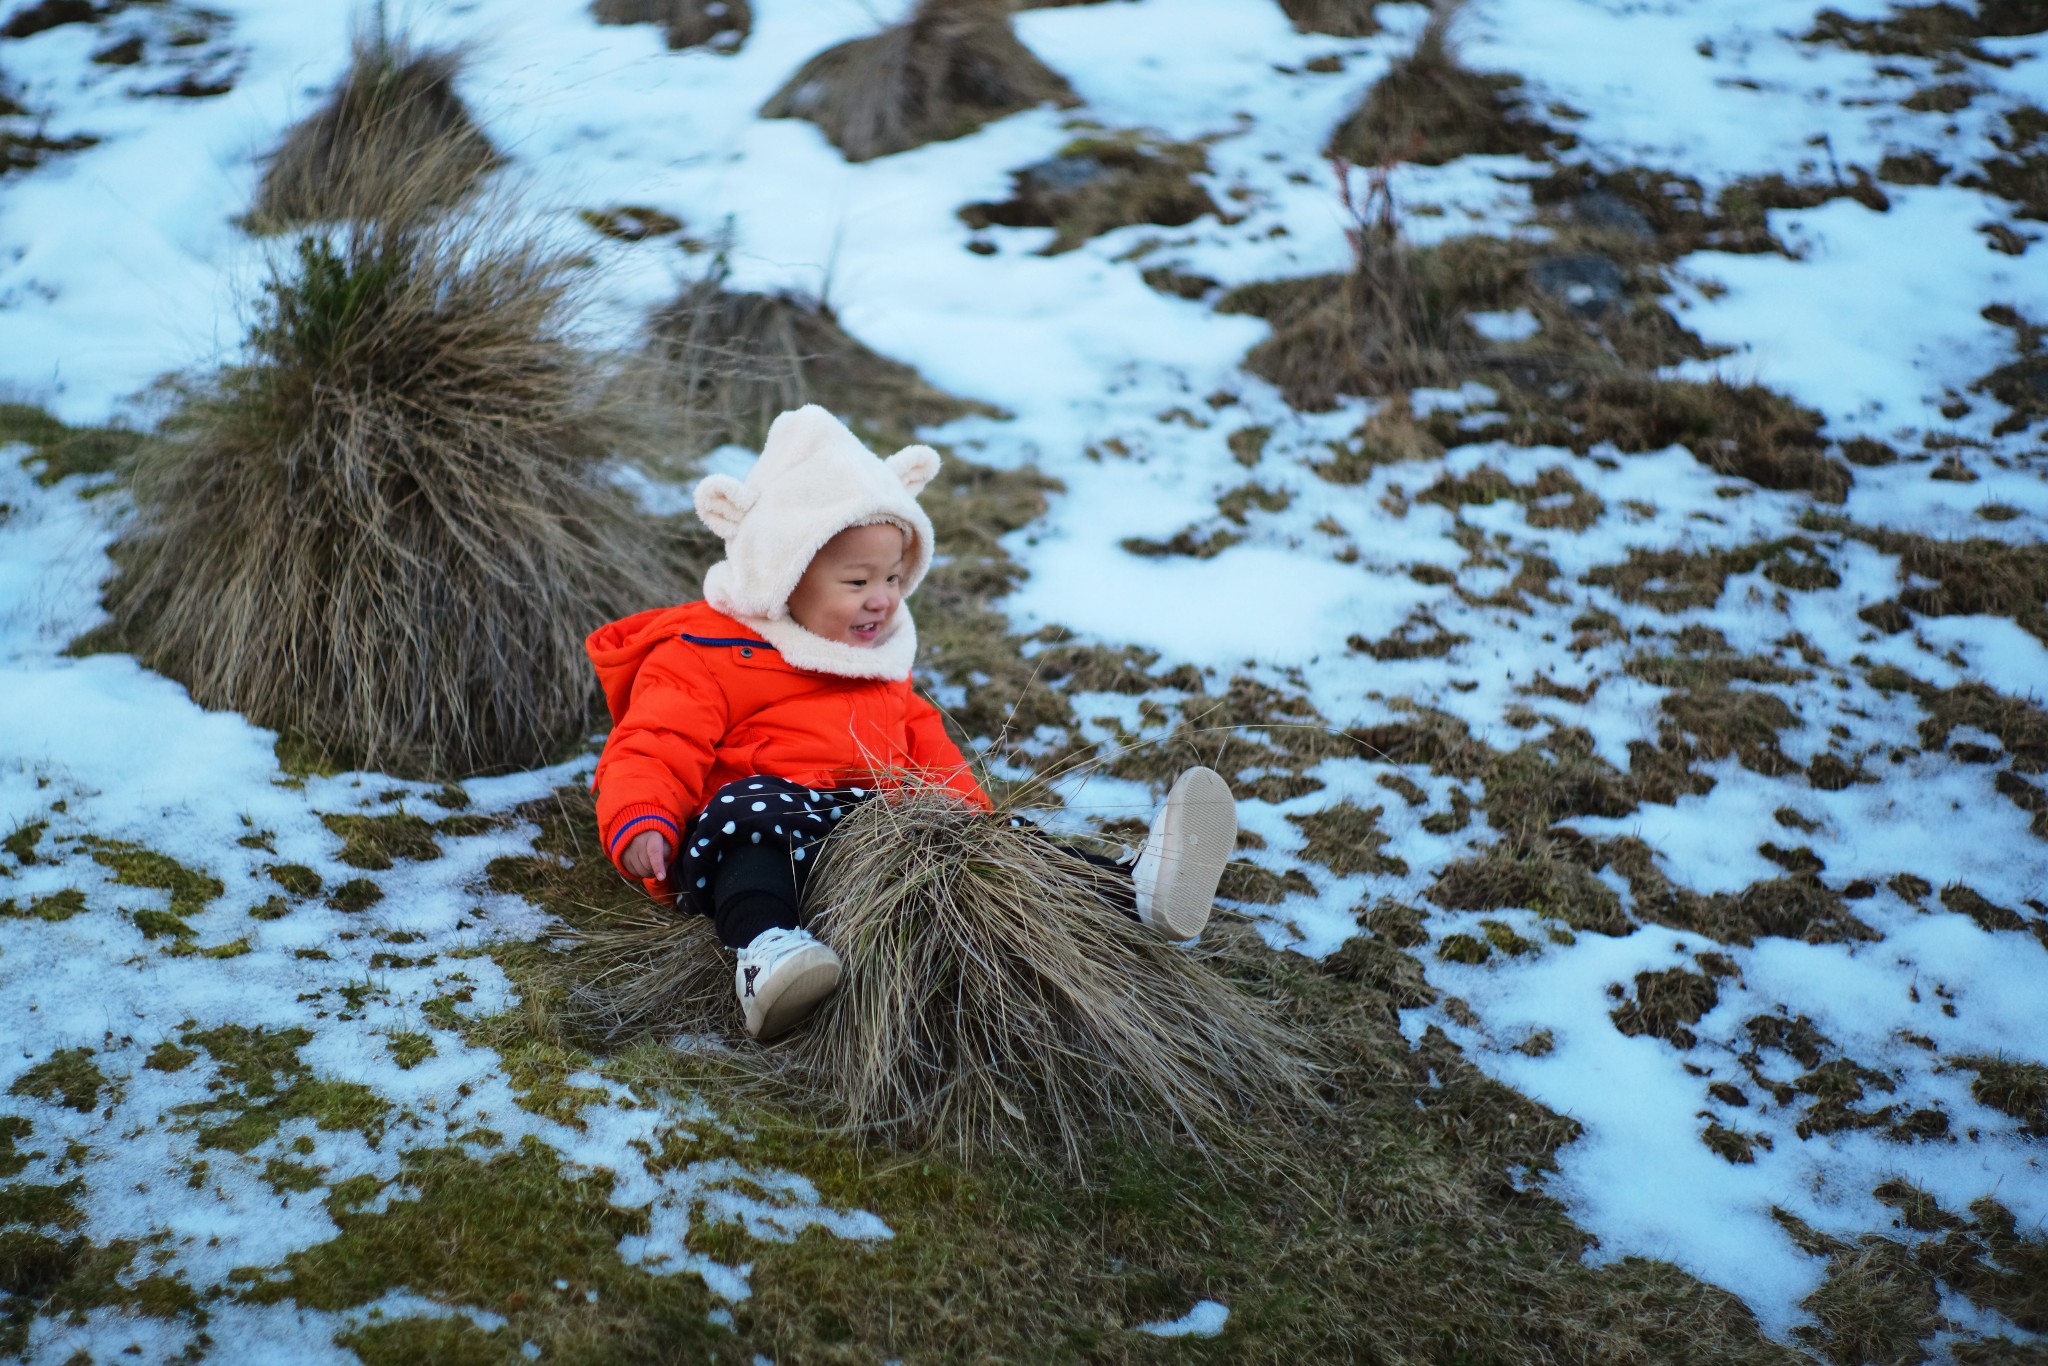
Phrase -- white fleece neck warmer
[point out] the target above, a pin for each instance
(814, 479)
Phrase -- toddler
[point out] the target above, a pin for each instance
(745, 725)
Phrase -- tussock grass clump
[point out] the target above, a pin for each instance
(989, 989)
(393, 139)
(950, 67)
(721, 25)
(727, 362)
(1430, 108)
(389, 527)
(991, 1000)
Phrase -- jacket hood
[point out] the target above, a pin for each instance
(814, 479)
(618, 648)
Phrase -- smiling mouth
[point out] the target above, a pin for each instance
(865, 633)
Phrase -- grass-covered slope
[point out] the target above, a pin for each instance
(1601, 544)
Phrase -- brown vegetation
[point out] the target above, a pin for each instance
(1338, 18)
(387, 532)
(721, 25)
(393, 140)
(950, 67)
(726, 363)
(1100, 183)
(1430, 108)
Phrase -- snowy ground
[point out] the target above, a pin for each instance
(119, 264)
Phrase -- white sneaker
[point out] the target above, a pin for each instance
(1185, 852)
(781, 978)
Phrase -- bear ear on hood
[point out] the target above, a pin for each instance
(915, 466)
(723, 503)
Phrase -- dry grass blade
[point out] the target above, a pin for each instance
(390, 526)
(949, 68)
(393, 140)
(728, 362)
(643, 968)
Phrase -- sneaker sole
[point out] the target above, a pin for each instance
(1200, 827)
(813, 975)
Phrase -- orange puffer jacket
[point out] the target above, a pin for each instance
(697, 701)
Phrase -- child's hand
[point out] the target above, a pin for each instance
(646, 855)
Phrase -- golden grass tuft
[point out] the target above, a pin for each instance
(991, 1001)
(387, 529)
(950, 67)
(727, 362)
(393, 139)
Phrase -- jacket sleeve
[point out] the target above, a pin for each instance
(652, 772)
(935, 754)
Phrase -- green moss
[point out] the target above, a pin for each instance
(60, 450)
(498, 1234)
(56, 906)
(1502, 937)
(292, 1177)
(67, 1077)
(295, 878)
(21, 842)
(271, 908)
(134, 866)
(168, 1057)
(445, 1342)
(357, 894)
(1463, 948)
(38, 1206)
(13, 1128)
(409, 1050)
(262, 1084)
(163, 925)
(372, 842)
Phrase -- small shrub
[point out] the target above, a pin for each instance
(950, 67)
(389, 528)
(393, 140)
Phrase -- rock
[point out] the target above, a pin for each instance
(1601, 209)
(1587, 283)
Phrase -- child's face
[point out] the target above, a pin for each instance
(853, 585)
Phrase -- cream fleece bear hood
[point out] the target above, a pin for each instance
(814, 479)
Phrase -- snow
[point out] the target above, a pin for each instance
(1205, 1320)
(121, 264)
